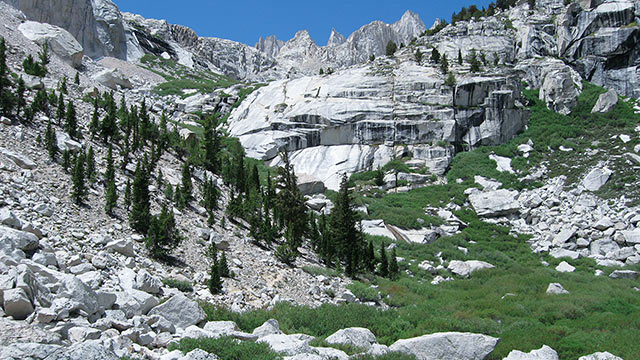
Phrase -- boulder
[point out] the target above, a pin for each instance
(544, 353)
(65, 142)
(147, 283)
(135, 302)
(556, 289)
(562, 253)
(124, 247)
(560, 88)
(289, 345)
(596, 179)
(600, 356)
(465, 268)
(59, 40)
(565, 235)
(17, 304)
(83, 333)
(358, 337)
(495, 203)
(625, 274)
(11, 239)
(9, 219)
(270, 327)
(309, 185)
(181, 311)
(565, 267)
(632, 236)
(604, 224)
(450, 345)
(112, 78)
(606, 102)
(19, 159)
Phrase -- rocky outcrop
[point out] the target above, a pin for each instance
(358, 118)
(96, 24)
(60, 41)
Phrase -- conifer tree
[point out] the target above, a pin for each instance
(224, 266)
(168, 192)
(44, 59)
(94, 125)
(127, 195)
(290, 203)
(383, 269)
(391, 48)
(90, 167)
(345, 233)
(238, 174)
(418, 56)
(459, 57)
(76, 80)
(21, 102)
(187, 184)
(111, 196)
(210, 143)
(210, 196)
(71, 124)
(444, 64)
(66, 160)
(51, 141)
(287, 252)
(6, 98)
(435, 56)
(79, 191)
(215, 282)
(60, 111)
(371, 258)
(379, 178)
(393, 265)
(140, 216)
(474, 61)
(163, 235)
(63, 86)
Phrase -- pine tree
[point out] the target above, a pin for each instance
(163, 235)
(224, 267)
(345, 233)
(140, 216)
(383, 269)
(473, 61)
(127, 195)
(254, 179)
(21, 102)
(435, 56)
(459, 57)
(379, 179)
(239, 177)
(371, 258)
(391, 48)
(393, 265)
(187, 184)
(291, 208)
(79, 191)
(168, 192)
(215, 282)
(210, 195)
(444, 64)
(90, 168)
(76, 80)
(418, 56)
(63, 86)
(287, 252)
(111, 196)
(60, 111)
(51, 141)
(71, 124)
(6, 98)
(44, 59)
(109, 127)
(66, 160)
(94, 125)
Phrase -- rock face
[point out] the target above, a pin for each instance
(356, 119)
(451, 345)
(59, 40)
(96, 24)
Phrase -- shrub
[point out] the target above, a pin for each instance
(228, 348)
(184, 286)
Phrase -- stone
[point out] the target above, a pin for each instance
(199, 354)
(596, 179)
(309, 185)
(495, 203)
(632, 237)
(603, 224)
(112, 78)
(83, 333)
(556, 289)
(606, 102)
(123, 247)
(560, 88)
(135, 302)
(565, 267)
(59, 40)
(65, 142)
(465, 268)
(600, 356)
(564, 253)
(288, 345)
(17, 304)
(19, 159)
(544, 353)
(11, 239)
(357, 337)
(450, 345)
(180, 311)
(503, 163)
(147, 283)
(565, 235)
(9, 219)
(270, 327)
(625, 274)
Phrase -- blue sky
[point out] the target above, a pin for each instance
(246, 20)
